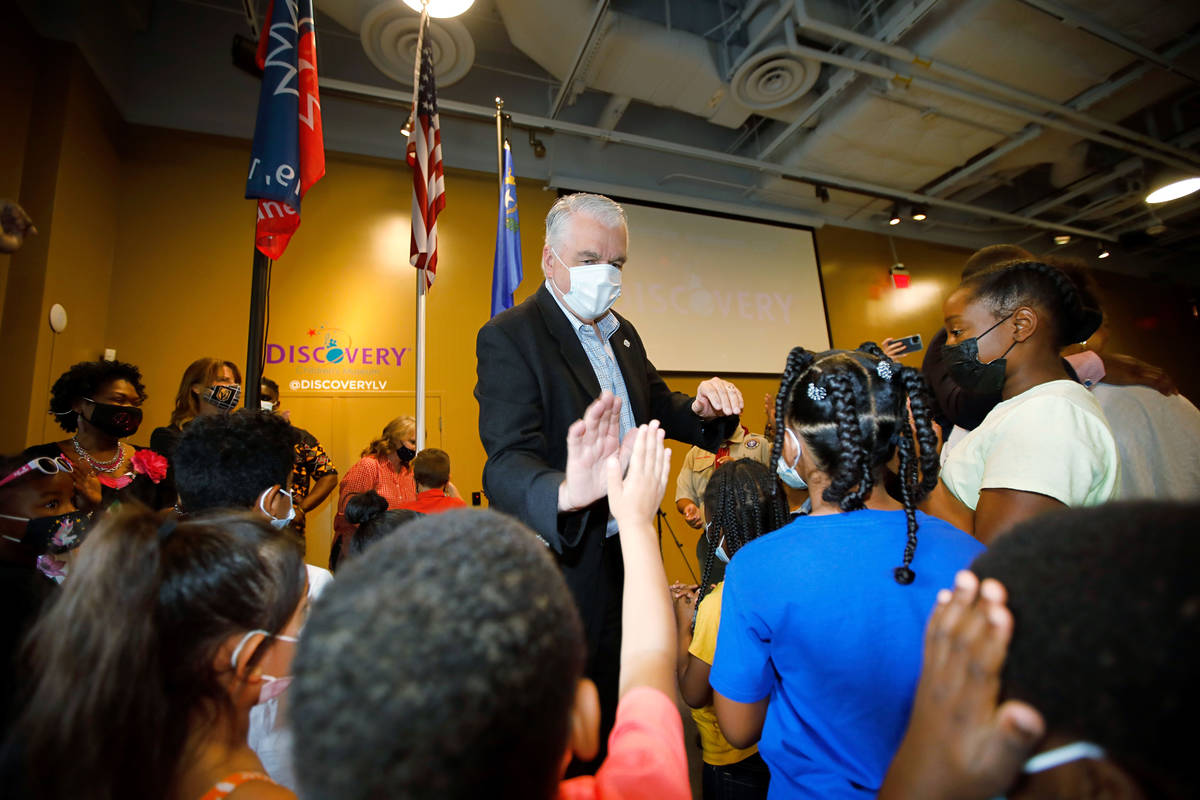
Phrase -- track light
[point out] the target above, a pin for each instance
(1102, 251)
(894, 218)
(920, 214)
(1062, 239)
(1173, 186)
(822, 193)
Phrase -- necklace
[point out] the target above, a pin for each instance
(101, 466)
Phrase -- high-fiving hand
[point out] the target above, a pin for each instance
(590, 441)
(637, 496)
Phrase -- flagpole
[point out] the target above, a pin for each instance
(500, 147)
(255, 344)
(421, 283)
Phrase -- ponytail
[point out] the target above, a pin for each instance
(129, 645)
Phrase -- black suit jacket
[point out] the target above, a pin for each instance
(534, 380)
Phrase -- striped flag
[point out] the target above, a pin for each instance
(425, 158)
(288, 154)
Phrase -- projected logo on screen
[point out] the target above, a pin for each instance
(693, 299)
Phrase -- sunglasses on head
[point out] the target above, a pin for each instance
(44, 464)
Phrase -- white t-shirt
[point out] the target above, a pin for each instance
(1159, 441)
(1052, 439)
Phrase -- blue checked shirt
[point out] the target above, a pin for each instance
(604, 363)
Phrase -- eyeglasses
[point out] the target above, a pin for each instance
(44, 464)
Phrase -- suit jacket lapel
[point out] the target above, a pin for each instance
(568, 342)
(633, 369)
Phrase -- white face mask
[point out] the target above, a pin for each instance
(594, 288)
(278, 522)
(786, 473)
(273, 686)
(266, 405)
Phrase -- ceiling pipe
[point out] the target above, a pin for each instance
(1082, 102)
(890, 74)
(1083, 187)
(903, 54)
(892, 31)
(589, 39)
(351, 89)
(1083, 22)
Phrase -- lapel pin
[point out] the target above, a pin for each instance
(626, 343)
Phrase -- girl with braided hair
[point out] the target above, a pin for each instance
(742, 501)
(1046, 445)
(825, 616)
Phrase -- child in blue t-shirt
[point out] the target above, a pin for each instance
(824, 618)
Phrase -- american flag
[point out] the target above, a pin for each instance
(425, 157)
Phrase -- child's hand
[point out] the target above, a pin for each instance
(960, 742)
(635, 499)
(684, 596)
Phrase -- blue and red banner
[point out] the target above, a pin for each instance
(288, 155)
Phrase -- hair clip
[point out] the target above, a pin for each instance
(816, 392)
(884, 370)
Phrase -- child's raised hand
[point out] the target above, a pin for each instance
(961, 742)
(636, 498)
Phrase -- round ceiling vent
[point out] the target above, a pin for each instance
(773, 78)
(389, 37)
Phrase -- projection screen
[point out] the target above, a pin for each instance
(718, 295)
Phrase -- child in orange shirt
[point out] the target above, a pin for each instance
(450, 664)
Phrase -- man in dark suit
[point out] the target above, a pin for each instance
(540, 365)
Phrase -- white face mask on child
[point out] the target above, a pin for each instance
(273, 686)
(278, 522)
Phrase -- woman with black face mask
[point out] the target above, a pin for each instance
(100, 404)
(385, 468)
(1046, 445)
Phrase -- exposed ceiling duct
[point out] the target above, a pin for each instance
(388, 30)
(671, 68)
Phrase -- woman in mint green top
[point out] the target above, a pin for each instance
(1047, 444)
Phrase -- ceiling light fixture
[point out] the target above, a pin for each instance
(1102, 251)
(1062, 238)
(822, 193)
(1173, 188)
(894, 218)
(920, 214)
(442, 9)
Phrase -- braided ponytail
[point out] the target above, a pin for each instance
(1009, 286)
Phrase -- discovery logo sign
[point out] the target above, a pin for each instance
(331, 361)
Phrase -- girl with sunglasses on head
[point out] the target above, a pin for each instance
(823, 617)
(1046, 445)
(147, 664)
(37, 514)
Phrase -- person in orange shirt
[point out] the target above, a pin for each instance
(431, 472)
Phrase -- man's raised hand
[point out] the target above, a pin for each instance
(717, 398)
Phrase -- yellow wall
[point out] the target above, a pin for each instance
(147, 242)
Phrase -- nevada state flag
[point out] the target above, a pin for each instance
(288, 155)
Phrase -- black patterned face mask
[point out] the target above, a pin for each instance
(223, 396)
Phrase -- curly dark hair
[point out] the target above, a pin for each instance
(445, 665)
(742, 501)
(228, 460)
(1005, 288)
(852, 422)
(83, 380)
(1106, 634)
